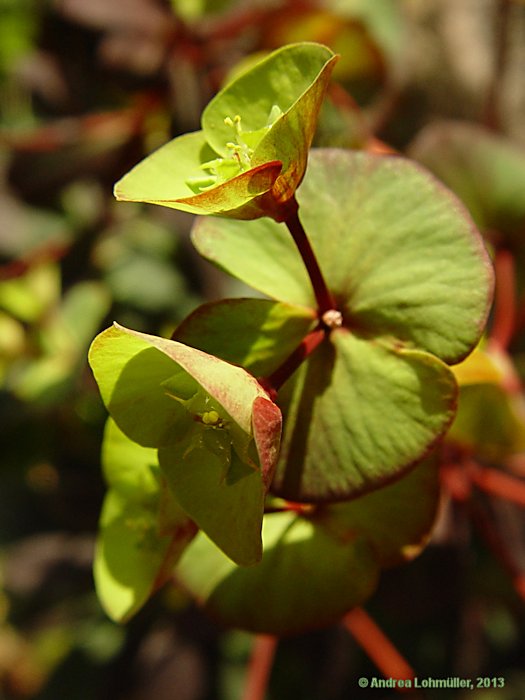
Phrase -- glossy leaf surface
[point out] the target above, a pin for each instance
(398, 250)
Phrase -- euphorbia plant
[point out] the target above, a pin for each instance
(383, 283)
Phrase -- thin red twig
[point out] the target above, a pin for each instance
(499, 484)
(325, 301)
(504, 323)
(260, 667)
(377, 646)
(274, 382)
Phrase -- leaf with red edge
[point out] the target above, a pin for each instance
(217, 442)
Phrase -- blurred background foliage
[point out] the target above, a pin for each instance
(87, 87)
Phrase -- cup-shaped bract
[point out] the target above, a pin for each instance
(216, 430)
(251, 153)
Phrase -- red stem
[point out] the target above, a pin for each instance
(499, 484)
(325, 301)
(505, 300)
(261, 662)
(274, 382)
(377, 645)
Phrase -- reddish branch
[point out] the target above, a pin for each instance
(377, 646)
(504, 323)
(274, 382)
(260, 667)
(325, 301)
(499, 484)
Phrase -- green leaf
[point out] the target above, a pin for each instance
(251, 154)
(64, 336)
(307, 578)
(224, 495)
(397, 519)
(486, 170)
(208, 417)
(142, 529)
(265, 331)
(133, 371)
(32, 295)
(260, 253)
(491, 414)
(358, 413)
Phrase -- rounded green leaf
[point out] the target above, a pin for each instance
(490, 422)
(358, 414)
(402, 255)
(265, 331)
(142, 532)
(397, 519)
(260, 253)
(307, 577)
(224, 496)
(316, 567)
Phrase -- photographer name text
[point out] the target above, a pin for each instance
(449, 682)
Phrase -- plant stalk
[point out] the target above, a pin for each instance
(325, 301)
(260, 667)
(310, 342)
(376, 645)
